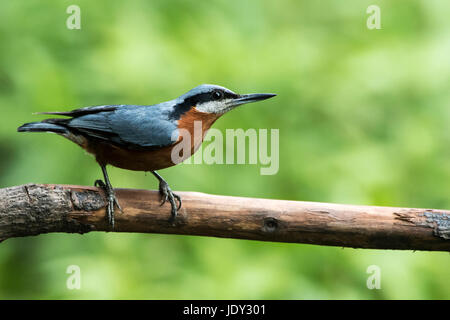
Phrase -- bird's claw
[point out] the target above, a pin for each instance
(168, 195)
(112, 201)
(99, 184)
(179, 200)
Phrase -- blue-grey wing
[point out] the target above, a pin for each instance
(134, 127)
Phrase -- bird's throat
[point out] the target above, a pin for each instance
(196, 124)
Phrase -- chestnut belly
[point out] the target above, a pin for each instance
(137, 160)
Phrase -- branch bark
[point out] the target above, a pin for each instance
(36, 209)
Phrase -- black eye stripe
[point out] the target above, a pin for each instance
(203, 97)
(215, 95)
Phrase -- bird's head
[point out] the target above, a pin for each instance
(214, 99)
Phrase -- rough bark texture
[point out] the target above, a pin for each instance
(36, 209)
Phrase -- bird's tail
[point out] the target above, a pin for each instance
(49, 125)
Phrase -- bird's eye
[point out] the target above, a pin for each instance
(217, 95)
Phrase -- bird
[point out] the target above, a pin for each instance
(142, 137)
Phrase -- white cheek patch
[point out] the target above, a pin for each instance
(214, 106)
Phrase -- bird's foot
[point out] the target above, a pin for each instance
(168, 195)
(112, 200)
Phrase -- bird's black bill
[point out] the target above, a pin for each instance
(254, 97)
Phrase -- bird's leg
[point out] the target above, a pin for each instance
(112, 200)
(168, 195)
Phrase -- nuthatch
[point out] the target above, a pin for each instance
(141, 138)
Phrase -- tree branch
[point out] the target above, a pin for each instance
(35, 209)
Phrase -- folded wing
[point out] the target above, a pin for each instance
(132, 127)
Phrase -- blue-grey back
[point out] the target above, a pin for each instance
(130, 126)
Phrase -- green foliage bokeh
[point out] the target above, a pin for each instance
(363, 118)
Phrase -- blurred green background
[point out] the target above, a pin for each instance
(363, 118)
